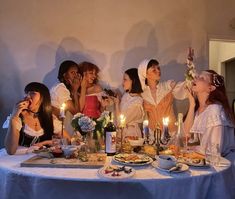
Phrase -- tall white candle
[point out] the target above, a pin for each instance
(146, 128)
(62, 110)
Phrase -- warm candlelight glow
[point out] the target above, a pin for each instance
(165, 121)
(122, 120)
(145, 123)
(62, 110)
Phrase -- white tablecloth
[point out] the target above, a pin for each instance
(42, 183)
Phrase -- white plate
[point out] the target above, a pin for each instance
(193, 164)
(184, 167)
(122, 174)
(143, 159)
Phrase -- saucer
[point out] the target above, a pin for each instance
(183, 168)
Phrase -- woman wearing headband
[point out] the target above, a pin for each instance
(158, 96)
(209, 114)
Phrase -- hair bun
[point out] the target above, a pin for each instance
(218, 80)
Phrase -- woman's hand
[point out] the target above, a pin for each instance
(75, 83)
(84, 82)
(105, 101)
(116, 100)
(191, 96)
(44, 143)
(19, 107)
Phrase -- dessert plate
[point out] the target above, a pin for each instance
(178, 169)
(116, 172)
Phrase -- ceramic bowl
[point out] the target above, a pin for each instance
(166, 161)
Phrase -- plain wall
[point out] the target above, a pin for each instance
(36, 36)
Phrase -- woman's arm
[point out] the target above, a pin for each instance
(73, 105)
(191, 113)
(83, 92)
(49, 142)
(116, 101)
(13, 132)
(12, 137)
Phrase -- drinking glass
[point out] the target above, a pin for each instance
(56, 141)
(213, 154)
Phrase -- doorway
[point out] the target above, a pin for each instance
(222, 60)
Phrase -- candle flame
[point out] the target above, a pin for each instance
(145, 123)
(165, 121)
(63, 106)
(122, 120)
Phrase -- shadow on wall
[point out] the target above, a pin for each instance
(164, 42)
(10, 86)
(72, 49)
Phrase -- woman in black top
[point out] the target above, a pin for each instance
(31, 122)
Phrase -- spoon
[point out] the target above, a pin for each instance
(177, 167)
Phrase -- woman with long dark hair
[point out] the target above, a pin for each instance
(31, 122)
(209, 114)
(131, 105)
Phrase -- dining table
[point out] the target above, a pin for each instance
(18, 182)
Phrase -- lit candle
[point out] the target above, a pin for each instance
(122, 121)
(62, 110)
(165, 133)
(146, 129)
(165, 121)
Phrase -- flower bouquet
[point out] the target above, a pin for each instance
(191, 71)
(91, 129)
(83, 123)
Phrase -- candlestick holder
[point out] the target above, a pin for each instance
(62, 127)
(165, 137)
(158, 136)
(121, 135)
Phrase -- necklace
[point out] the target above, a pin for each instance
(35, 114)
(34, 119)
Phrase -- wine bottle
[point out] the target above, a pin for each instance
(110, 138)
(179, 139)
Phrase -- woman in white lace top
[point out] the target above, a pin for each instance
(131, 105)
(209, 113)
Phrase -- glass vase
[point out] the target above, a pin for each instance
(89, 143)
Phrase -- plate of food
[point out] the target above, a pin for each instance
(132, 159)
(116, 172)
(193, 159)
(178, 168)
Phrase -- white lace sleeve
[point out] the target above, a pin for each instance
(179, 91)
(59, 95)
(7, 123)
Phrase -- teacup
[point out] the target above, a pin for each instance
(166, 161)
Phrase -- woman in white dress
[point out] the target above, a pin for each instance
(131, 105)
(158, 96)
(66, 91)
(210, 115)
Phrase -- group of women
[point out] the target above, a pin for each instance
(37, 117)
